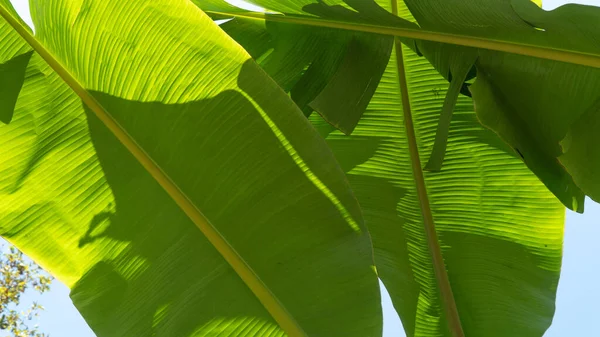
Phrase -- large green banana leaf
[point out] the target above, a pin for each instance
(541, 124)
(500, 229)
(207, 205)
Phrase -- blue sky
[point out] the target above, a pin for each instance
(578, 295)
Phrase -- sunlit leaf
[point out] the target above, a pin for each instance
(233, 144)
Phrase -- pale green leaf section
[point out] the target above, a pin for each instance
(75, 200)
(12, 44)
(500, 229)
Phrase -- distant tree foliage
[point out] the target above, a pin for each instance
(18, 275)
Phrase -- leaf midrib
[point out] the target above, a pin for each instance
(277, 310)
(538, 51)
(439, 268)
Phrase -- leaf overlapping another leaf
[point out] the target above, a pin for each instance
(330, 71)
(529, 102)
(500, 40)
(490, 211)
(240, 151)
(227, 141)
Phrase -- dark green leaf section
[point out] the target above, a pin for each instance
(346, 96)
(580, 151)
(332, 72)
(531, 103)
(570, 27)
(457, 82)
(496, 112)
(12, 76)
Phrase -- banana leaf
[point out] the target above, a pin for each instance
(157, 171)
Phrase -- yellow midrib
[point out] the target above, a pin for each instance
(277, 310)
(549, 53)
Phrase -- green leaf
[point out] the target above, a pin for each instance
(155, 169)
(10, 41)
(500, 229)
(566, 93)
(512, 38)
(579, 156)
(323, 69)
(518, 46)
(12, 76)
(459, 74)
(14, 57)
(533, 122)
(496, 111)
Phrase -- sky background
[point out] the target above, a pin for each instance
(578, 298)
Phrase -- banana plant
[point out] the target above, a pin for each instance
(513, 46)
(517, 23)
(171, 178)
(156, 170)
(381, 174)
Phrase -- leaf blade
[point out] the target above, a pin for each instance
(111, 226)
(498, 225)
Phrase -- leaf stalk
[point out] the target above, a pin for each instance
(543, 52)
